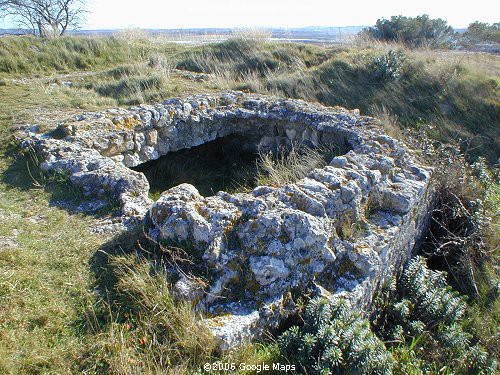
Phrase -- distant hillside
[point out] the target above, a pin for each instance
(14, 32)
(304, 34)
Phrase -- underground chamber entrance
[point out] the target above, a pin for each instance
(233, 164)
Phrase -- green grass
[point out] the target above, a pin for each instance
(30, 55)
(454, 92)
(45, 278)
(52, 319)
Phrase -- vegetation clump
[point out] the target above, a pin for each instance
(389, 66)
(288, 166)
(140, 326)
(244, 57)
(334, 340)
(461, 222)
(420, 31)
(422, 317)
(480, 32)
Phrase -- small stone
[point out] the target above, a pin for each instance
(338, 162)
(348, 192)
(6, 243)
(268, 269)
(131, 160)
(150, 153)
(152, 138)
(118, 158)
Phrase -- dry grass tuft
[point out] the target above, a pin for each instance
(285, 167)
(145, 329)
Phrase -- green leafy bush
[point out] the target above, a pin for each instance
(423, 311)
(334, 339)
(420, 31)
(482, 32)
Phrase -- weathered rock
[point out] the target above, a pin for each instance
(98, 176)
(8, 242)
(341, 231)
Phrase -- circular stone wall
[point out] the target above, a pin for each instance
(341, 231)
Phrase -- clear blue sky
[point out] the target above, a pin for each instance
(158, 14)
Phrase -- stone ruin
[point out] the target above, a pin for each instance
(341, 231)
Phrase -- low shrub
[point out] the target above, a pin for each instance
(481, 32)
(389, 66)
(421, 31)
(422, 315)
(334, 339)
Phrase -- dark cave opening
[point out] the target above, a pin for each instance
(228, 163)
(235, 163)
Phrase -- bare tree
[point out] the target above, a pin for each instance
(46, 18)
